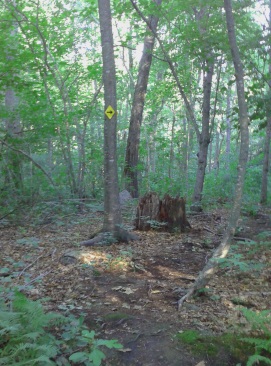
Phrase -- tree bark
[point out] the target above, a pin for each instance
(12, 171)
(132, 149)
(204, 140)
(222, 250)
(202, 136)
(228, 131)
(112, 215)
(112, 226)
(266, 160)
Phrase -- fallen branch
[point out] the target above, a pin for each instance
(36, 279)
(31, 264)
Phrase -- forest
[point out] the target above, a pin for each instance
(135, 195)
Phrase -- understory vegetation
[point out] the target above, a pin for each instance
(167, 119)
(31, 336)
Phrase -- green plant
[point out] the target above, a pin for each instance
(238, 261)
(24, 338)
(30, 336)
(212, 344)
(264, 235)
(93, 355)
(261, 335)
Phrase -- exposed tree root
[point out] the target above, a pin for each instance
(108, 238)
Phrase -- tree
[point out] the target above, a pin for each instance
(132, 149)
(223, 249)
(112, 227)
(266, 161)
(204, 136)
(207, 62)
(13, 126)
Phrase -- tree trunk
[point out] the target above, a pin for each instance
(112, 230)
(228, 133)
(13, 129)
(222, 250)
(266, 160)
(204, 135)
(12, 123)
(132, 149)
(112, 215)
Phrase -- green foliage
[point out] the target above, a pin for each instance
(211, 344)
(24, 339)
(54, 68)
(264, 235)
(29, 241)
(27, 336)
(95, 356)
(260, 338)
(238, 261)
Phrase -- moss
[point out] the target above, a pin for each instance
(211, 345)
(198, 343)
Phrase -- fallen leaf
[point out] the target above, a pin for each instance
(128, 291)
(138, 307)
(124, 350)
(118, 288)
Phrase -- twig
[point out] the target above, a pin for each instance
(136, 338)
(242, 239)
(209, 230)
(30, 265)
(37, 278)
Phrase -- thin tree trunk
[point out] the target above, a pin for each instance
(222, 250)
(12, 122)
(203, 136)
(228, 131)
(266, 160)
(132, 149)
(204, 140)
(171, 153)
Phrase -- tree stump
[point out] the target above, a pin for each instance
(147, 211)
(167, 214)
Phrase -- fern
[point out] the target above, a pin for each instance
(23, 338)
(255, 359)
(260, 325)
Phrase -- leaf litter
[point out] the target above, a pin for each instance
(130, 291)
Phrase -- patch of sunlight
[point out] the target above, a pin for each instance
(106, 260)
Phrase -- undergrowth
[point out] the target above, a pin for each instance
(259, 337)
(31, 336)
(254, 345)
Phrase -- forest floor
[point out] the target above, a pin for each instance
(129, 292)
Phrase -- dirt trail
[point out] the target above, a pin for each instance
(129, 292)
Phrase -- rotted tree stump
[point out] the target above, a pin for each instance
(167, 214)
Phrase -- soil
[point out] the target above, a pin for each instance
(129, 292)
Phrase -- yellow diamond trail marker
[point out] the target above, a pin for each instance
(109, 112)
